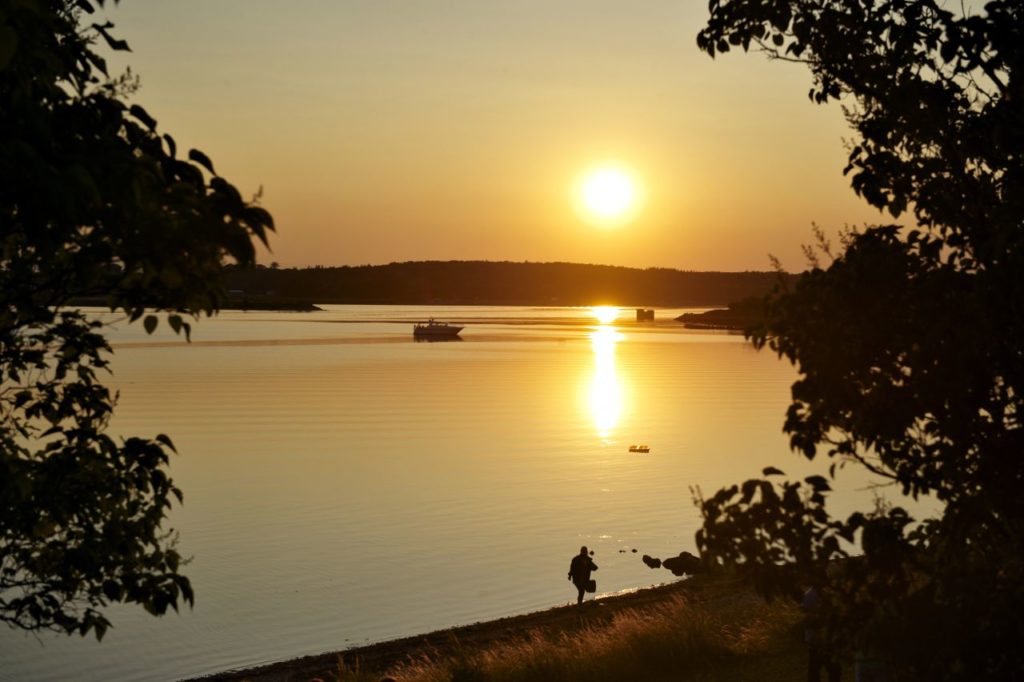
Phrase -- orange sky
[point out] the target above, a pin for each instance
(392, 130)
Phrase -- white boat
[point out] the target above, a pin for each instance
(432, 329)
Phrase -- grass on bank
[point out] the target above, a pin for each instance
(676, 639)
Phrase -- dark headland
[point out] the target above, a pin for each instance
(500, 283)
(739, 316)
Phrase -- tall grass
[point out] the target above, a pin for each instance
(662, 641)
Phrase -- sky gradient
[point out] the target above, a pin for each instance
(393, 130)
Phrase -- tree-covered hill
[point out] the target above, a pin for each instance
(502, 283)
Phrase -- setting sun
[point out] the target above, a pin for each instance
(608, 196)
(605, 314)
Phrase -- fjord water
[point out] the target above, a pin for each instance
(345, 485)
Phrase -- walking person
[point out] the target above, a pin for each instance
(579, 572)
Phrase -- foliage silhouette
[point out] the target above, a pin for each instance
(93, 202)
(907, 341)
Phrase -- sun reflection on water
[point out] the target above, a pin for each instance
(605, 388)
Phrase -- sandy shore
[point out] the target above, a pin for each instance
(718, 595)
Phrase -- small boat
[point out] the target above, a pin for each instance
(432, 329)
(639, 448)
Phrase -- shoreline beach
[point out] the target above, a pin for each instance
(730, 601)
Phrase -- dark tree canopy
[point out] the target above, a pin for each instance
(93, 202)
(908, 341)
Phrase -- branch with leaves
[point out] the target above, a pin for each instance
(94, 201)
(907, 342)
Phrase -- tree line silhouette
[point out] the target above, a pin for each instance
(501, 283)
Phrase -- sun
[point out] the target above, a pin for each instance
(608, 192)
(608, 196)
(605, 314)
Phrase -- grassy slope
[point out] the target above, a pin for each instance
(703, 629)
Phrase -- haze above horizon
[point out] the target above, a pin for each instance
(400, 131)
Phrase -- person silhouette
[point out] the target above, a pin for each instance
(579, 572)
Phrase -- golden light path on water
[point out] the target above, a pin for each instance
(605, 395)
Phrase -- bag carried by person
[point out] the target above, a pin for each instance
(591, 585)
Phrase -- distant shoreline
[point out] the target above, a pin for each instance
(493, 283)
(486, 283)
(740, 316)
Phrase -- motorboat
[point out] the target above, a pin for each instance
(639, 448)
(432, 329)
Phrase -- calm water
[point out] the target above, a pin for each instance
(345, 485)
